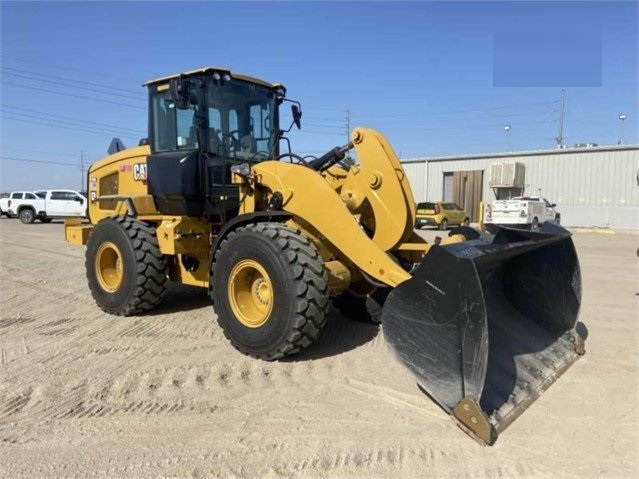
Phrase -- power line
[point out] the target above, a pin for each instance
(77, 87)
(68, 155)
(320, 125)
(65, 68)
(30, 160)
(313, 118)
(481, 118)
(430, 114)
(99, 132)
(55, 122)
(471, 127)
(429, 118)
(76, 120)
(47, 78)
(74, 96)
(317, 132)
(310, 107)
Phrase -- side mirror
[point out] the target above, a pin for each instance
(552, 205)
(179, 91)
(78, 199)
(297, 116)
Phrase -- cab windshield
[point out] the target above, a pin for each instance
(242, 119)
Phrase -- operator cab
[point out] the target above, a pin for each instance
(200, 124)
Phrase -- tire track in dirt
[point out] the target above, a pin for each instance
(162, 463)
(44, 364)
(396, 461)
(197, 388)
(16, 403)
(398, 399)
(141, 329)
(52, 252)
(76, 395)
(11, 353)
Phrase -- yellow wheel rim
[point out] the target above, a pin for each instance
(109, 268)
(250, 293)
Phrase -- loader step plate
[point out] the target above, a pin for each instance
(489, 323)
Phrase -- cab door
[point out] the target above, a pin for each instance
(56, 203)
(64, 203)
(550, 211)
(77, 206)
(456, 215)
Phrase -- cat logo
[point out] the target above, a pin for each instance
(139, 172)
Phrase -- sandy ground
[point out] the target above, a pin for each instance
(163, 395)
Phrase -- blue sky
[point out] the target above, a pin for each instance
(435, 78)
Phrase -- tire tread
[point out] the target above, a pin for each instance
(311, 291)
(151, 267)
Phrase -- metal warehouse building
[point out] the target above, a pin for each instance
(592, 187)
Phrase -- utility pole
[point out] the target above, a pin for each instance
(82, 163)
(349, 160)
(348, 126)
(622, 117)
(560, 136)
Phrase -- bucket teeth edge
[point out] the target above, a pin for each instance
(474, 422)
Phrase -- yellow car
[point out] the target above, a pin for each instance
(441, 214)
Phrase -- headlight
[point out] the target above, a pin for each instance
(241, 169)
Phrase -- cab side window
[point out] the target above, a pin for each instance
(16, 196)
(58, 195)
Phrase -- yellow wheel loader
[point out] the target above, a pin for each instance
(484, 320)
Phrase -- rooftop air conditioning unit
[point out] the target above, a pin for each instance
(507, 175)
(495, 175)
(513, 175)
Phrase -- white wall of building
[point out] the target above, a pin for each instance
(593, 187)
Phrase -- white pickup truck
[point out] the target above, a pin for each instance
(521, 212)
(45, 205)
(9, 203)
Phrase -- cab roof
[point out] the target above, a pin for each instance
(221, 70)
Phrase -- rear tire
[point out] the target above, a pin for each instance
(125, 268)
(270, 290)
(27, 216)
(443, 225)
(535, 225)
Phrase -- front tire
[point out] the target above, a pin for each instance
(27, 216)
(466, 222)
(125, 268)
(270, 290)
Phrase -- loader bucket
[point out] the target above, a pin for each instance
(487, 325)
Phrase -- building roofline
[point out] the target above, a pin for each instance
(519, 154)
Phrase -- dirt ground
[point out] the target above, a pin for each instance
(83, 393)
